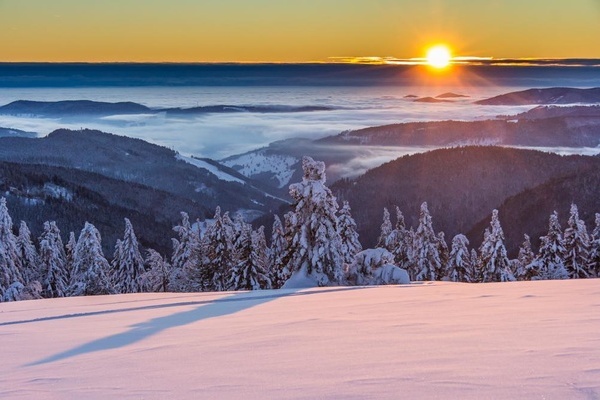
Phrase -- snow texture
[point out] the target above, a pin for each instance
(210, 168)
(431, 340)
(259, 162)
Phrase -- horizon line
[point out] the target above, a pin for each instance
(361, 60)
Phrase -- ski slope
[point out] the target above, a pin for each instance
(522, 340)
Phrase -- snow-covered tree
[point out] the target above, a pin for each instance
(459, 262)
(315, 245)
(17, 291)
(30, 259)
(278, 272)
(577, 243)
(10, 262)
(494, 259)
(90, 268)
(385, 231)
(250, 272)
(400, 242)
(128, 264)
(187, 245)
(594, 256)
(157, 275)
(525, 270)
(70, 253)
(219, 255)
(476, 272)
(427, 263)
(550, 259)
(348, 234)
(53, 262)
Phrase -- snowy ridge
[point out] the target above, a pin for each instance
(210, 168)
(430, 340)
(259, 162)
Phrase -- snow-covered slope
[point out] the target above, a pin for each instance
(252, 165)
(524, 340)
(210, 168)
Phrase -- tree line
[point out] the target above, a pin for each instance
(316, 244)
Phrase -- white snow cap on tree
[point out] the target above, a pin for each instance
(549, 262)
(494, 259)
(10, 262)
(577, 244)
(90, 268)
(428, 265)
(348, 234)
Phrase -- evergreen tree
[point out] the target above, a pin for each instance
(158, 271)
(386, 231)
(277, 267)
(219, 254)
(53, 263)
(250, 272)
(187, 246)
(128, 264)
(494, 259)
(525, 269)
(315, 246)
(459, 262)
(476, 272)
(348, 234)
(90, 268)
(10, 262)
(550, 260)
(444, 253)
(70, 254)
(401, 242)
(427, 251)
(594, 257)
(577, 243)
(30, 259)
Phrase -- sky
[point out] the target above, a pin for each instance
(293, 31)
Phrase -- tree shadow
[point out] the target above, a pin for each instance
(217, 308)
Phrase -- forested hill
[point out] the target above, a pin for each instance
(137, 161)
(460, 185)
(555, 95)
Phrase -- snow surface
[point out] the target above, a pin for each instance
(521, 340)
(210, 168)
(258, 162)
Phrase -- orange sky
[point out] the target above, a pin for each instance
(293, 31)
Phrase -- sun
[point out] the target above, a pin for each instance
(439, 56)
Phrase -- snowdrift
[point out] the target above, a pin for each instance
(423, 340)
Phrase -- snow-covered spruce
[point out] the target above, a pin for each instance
(314, 251)
(427, 262)
(127, 264)
(54, 276)
(494, 260)
(10, 262)
(90, 268)
(550, 261)
(577, 243)
(348, 234)
(459, 261)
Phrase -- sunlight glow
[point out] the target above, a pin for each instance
(439, 56)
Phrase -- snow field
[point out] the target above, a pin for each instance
(527, 340)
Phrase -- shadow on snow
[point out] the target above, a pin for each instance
(206, 309)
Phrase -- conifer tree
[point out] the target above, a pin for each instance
(386, 231)
(459, 261)
(594, 257)
(401, 242)
(250, 272)
(427, 251)
(10, 262)
(186, 247)
(494, 259)
(215, 271)
(476, 272)
(550, 260)
(30, 259)
(348, 234)
(577, 243)
(525, 269)
(90, 268)
(70, 254)
(157, 275)
(315, 244)
(278, 273)
(53, 263)
(128, 264)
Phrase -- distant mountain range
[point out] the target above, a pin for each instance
(83, 108)
(557, 95)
